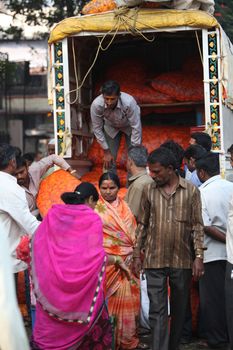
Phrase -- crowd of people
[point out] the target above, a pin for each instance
(86, 255)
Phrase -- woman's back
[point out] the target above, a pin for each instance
(68, 268)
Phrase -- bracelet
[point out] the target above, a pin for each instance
(73, 171)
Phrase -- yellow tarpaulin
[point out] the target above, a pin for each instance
(124, 19)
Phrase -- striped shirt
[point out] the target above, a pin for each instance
(170, 226)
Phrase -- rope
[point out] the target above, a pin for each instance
(199, 47)
(123, 19)
(100, 47)
(76, 76)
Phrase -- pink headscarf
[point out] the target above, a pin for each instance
(68, 262)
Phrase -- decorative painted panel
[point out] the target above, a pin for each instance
(61, 105)
(213, 88)
(58, 56)
(214, 112)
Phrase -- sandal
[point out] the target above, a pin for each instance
(142, 346)
(202, 344)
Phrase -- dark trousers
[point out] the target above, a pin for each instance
(27, 290)
(187, 331)
(114, 144)
(229, 301)
(157, 287)
(212, 303)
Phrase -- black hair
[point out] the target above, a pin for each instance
(209, 163)
(81, 193)
(18, 152)
(176, 149)
(139, 155)
(230, 149)
(110, 176)
(203, 139)
(20, 161)
(7, 152)
(163, 156)
(110, 87)
(195, 151)
(29, 156)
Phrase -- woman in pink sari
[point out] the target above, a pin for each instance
(68, 271)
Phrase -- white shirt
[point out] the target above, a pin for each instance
(15, 216)
(215, 196)
(12, 332)
(229, 237)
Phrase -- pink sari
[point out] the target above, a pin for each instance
(68, 270)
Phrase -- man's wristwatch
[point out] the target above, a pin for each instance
(199, 256)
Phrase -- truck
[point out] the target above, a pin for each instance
(83, 48)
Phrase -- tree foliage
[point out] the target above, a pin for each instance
(44, 12)
(224, 14)
(48, 12)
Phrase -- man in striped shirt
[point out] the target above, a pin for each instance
(171, 232)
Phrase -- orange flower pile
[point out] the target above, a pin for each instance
(180, 86)
(96, 154)
(94, 175)
(97, 6)
(135, 78)
(52, 187)
(152, 137)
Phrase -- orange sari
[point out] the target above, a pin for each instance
(123, 296)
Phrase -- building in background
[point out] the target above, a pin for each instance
(25, 117)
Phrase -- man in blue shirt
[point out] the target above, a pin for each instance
(191, 155)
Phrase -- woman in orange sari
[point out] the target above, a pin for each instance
(123, 294)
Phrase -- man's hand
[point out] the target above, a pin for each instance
(74, 173)
(77, 175)
(125, 269)
(198, 269)
(137, 266)
(108, 159)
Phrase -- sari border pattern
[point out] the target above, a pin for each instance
(54, 315)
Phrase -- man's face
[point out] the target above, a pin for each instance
(51, 149)
(190, 164)
(129, 165)
(160, 174)
(21, 175)
(111, 101)
(192, 141)
(201, 175)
